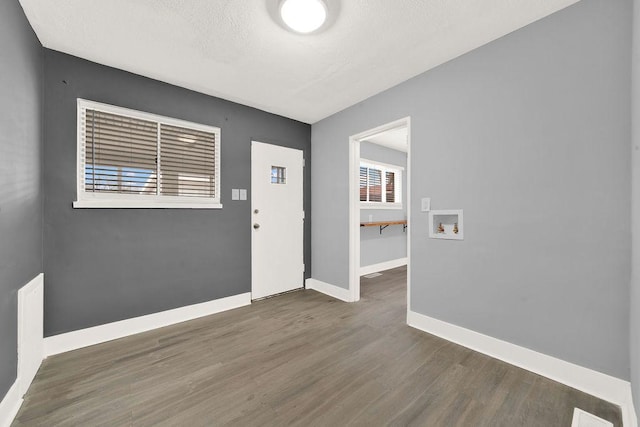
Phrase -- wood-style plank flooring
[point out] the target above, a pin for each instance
(301, 359)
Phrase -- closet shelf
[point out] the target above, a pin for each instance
(385, 224)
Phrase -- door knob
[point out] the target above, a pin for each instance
(256, 226)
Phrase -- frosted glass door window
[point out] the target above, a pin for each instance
(278, 175)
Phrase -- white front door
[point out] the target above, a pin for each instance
(277, 220)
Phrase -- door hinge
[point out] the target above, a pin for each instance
(303, 268)
(303, 216)
(303, 162)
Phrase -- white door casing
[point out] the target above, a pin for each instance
(354, 205)
(277, 220)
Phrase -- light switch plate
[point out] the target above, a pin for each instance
(235, 194)
(426, 204)
(243, 194)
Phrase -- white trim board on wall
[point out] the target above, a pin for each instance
(595, 383)
(10, 405)
(30, 344)
(30, 331)
(329, 289)
(382, 266)
(98, 334)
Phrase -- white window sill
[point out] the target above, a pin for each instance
(376, 205)
(126, 204)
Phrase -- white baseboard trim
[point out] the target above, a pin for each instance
(597, 384)
(98, 334)
(629, 417)
(382, 266)
(585, 419)
(10, 405)
(328, 289)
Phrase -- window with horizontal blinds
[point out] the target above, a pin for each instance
(375, 185)
(187, 162)
(390, 187)
(120, 154)
(380, 184)
(363, 183)
(129, 158)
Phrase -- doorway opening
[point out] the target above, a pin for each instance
(379, 202)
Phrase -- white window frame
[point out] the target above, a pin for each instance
(385, 167)
(87, 199)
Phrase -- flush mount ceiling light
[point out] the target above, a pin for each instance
(303, 16)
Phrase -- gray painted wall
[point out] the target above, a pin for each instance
(530, 136)
(20, 165)
(392, 243)
(104, 265)
(635, 215)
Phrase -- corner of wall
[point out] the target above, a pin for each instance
(634, 286)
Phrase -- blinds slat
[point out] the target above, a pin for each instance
(116, 155)
(107, 148)
(179, 186)
(181, 181)
(176, 131)
(124, 161)
(118, 127)
(187, 142)
(104, 118)
(185, 132)
(119, 140)
(114, 178)
(193, 157)
(198, 194)
(179, 151)
(123, 191)
(186, 165)
(182, 150)
(180, 147)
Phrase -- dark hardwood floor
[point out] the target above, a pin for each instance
(300, 359)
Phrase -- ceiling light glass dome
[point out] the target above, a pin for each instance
(303, 16)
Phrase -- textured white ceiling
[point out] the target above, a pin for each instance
(396, 139)
(233, 49)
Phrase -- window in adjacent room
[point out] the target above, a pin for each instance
(131, 159)
(380, 185)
